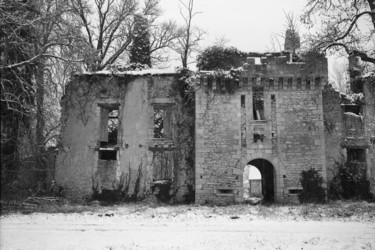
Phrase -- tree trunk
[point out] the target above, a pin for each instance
(372, 8)
(40, 166)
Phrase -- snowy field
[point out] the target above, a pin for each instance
(156, 226)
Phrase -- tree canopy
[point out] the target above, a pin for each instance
(140, 49)
(218, 57)
(342, 24)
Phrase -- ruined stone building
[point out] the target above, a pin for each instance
(133, 131)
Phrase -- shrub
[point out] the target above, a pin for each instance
(349, 181)
(161, 189)
(313, 191)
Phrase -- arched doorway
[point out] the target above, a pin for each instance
(266, 170)
(252, 183)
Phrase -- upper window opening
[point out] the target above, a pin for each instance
(242, 101)
(299, 83)
(317, 82)
(245, 80)
(113, 127)
(271, 83)
(109, 124)
(281, 83)
(258, 103)
(162, 119)
(290, 82)
(308, 83)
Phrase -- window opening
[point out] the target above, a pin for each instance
(243, 121)
(299, 83)
(356, 154)
(290, 82)
(271, 83)
(294, 191)
(258, 103)
(109, 124)
(162, 118)
(253, 81)
(317, 82)
(225, 191)
(108, 154)
(113, 127)
(352, 108)
(281, 83)
(245, 81)
(308, 83)
(209, 83)
(242, 101)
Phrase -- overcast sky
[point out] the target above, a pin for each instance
(246, 23)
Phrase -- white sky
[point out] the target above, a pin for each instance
(254, 173)
(246, 23)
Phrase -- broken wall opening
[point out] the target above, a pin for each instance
(163, 174)
(353, 122)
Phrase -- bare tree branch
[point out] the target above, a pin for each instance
(339, 27)
(189, 41)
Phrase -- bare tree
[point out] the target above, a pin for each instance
(275, 43)
(221, 41)
(163, 37)
(107, 29)
(347, 25)
(191, 35)
(33, 35)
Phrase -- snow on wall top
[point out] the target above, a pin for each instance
(132, 72)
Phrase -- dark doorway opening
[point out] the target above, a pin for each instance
(267, 172)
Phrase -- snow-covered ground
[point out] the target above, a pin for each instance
(153, 226)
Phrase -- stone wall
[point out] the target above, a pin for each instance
(289, 135)
(369, 117)
(347, 130)
(217, 143)
(333, 128)
(300, 135)
(78, 167)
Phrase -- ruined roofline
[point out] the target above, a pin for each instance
(267, 54)
(147, 72)
(283, 57)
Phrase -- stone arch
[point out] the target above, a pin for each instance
(268, 174)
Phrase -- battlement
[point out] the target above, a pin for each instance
(282, 82)
(274, 83)
(271, 72)
(285, 64)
